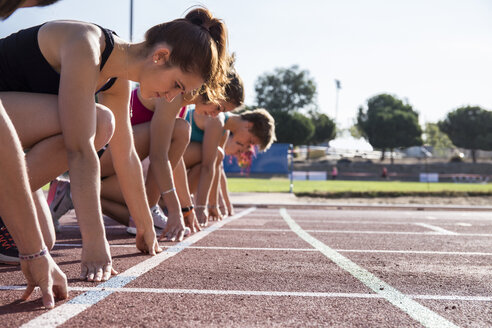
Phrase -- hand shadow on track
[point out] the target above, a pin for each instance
(31, 306)
(9, 268)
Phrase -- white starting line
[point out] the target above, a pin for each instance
(260, 293)
(70, 309)
(372, 232)
(382, 290)
(277, 249)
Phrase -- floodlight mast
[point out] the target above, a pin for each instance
(338, 87)
(131, 20)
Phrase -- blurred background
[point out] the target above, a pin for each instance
(350, 83)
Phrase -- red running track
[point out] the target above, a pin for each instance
(281, 267)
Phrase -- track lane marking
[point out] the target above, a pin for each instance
(423, 233)
(305, 250)
(78, 304)
(263, 293)
(328, 221)
(418, 312)
(436, 228)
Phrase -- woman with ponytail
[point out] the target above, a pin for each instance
(48, 77)
(163, 138)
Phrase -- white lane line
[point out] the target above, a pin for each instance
(436, 228)
(415, 310)
(422, 233)
(357, 222)
(328, 221)
(412, 252)
(261, 293)
(70, 309)
(275, 249)
(454, 217)
(209, 247)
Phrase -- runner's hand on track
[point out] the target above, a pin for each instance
(96, 262)
(202, 215)
(44, 272)
(213, 214)
(192, 222)
(146, 242)
(230, 209)
(223, 211)
(175, 227)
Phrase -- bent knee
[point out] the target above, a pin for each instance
(105, 125)
(182, 131)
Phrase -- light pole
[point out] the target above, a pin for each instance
(338, 86)
(131, 20)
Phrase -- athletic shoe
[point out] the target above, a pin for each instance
(9, 254)
(160, 220)
(61, 201)
(132, 228)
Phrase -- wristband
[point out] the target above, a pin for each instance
(43, 252)
(200, 206)
(168, 191)
(185, 214)
(187, 208)
(212, 206)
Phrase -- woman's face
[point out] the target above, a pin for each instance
(167, 83)
(213, 109)
(241, 141)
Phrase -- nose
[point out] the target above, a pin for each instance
(171, 95)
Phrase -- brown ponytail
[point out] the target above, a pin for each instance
(199, 45)
(234, 89)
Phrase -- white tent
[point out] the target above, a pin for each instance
(351, 144)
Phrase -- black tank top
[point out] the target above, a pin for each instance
(23, 67)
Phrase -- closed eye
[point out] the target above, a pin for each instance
(178, 86)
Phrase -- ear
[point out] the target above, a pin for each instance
(161, 55)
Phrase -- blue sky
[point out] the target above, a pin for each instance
(437, 54)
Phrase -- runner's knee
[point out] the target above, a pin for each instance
(182, 131)
(105, 126)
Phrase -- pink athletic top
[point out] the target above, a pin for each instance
(182, 112)
(138, 112)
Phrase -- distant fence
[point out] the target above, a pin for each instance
(278, 161)
(273, 161)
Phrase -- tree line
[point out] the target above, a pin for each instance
(386, 122)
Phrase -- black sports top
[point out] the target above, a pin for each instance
(23, 67)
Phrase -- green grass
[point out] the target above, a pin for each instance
(341, 188)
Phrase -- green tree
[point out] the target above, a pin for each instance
(389, 123)
(294, 128)
(469, 127)
(324, 128)
(434, 137)
(286, 90)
